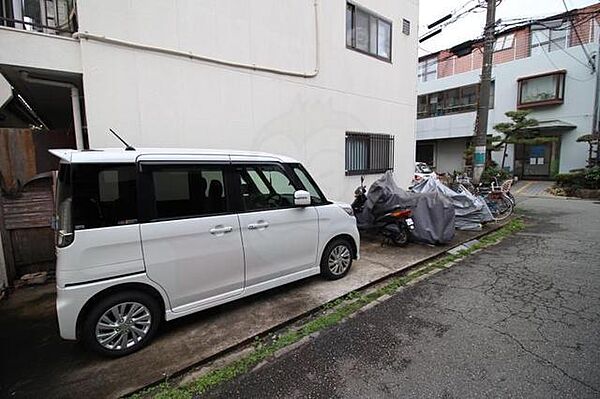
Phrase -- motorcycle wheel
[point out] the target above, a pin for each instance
(400, 238)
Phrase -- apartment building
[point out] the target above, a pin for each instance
(547, 66)
(329, 82)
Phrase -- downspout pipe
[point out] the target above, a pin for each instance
(75, 104)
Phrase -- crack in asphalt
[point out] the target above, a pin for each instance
(521, 318)
(524, 349)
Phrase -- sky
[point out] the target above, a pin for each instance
(471, 25)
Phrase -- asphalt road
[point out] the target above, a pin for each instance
(520, 319)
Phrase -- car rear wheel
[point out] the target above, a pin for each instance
(337, 259)
(121, 324)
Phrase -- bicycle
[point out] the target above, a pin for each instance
(497, 196)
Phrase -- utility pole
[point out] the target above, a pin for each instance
(595, 129)
(484, 92)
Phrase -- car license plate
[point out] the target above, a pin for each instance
(410, 223)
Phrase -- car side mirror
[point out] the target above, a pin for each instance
(301, 198)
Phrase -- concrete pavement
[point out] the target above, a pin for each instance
(35, 362)
(532, 188)
(520, 319)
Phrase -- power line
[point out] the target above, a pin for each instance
(456, 15)
(561, 48)
(539, 22)
(579, 39)
(542, 21)
(547, 55)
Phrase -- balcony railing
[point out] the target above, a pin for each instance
(57, 17)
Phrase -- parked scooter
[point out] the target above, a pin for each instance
(394, 224)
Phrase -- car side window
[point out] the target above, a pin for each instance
(265, 187)
(316, 197)
(104, 195)
(182, 191)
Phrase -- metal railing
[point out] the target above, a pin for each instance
(368, 153)
(57, 17)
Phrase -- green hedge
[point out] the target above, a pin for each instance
(589, 178)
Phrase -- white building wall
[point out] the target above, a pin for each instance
(449, 155)
(153, 99)
(577, 107)
(38, 50)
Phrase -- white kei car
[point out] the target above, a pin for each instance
(149, 235)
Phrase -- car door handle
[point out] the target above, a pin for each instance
(220, 230)
(258, 225)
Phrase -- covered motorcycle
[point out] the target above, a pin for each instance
(433, 214)
(471, 211)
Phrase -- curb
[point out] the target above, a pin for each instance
(240, 345)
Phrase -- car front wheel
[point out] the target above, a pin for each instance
(121, 323)
(336, 260)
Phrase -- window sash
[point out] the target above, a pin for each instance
(368, 33)
(549, 39)
(540, 90)
(427, 70)
(504, 42)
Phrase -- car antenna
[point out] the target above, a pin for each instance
(127, 146)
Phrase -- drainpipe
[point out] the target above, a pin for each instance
(198, 57)
(75, 105)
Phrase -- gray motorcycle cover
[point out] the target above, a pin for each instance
(471, 211)
(433, 213)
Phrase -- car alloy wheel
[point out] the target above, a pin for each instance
(123, 326)
(339, 259)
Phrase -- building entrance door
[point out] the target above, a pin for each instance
(537, 160)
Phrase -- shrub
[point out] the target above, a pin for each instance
(592, 177)
(570, 180)
(491, 171)
(589, 178)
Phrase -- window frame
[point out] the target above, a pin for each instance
(503, 39)
(147, 212)
(101, 166)
(428, 66)
(559, 90)
(443, 109)
(371, 15)
(545, 45)
(237, 199)
(290, 168)
(370, 138)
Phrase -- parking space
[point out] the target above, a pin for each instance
(35, 362)
(532, 188)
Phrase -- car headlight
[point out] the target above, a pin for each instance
(347, 208)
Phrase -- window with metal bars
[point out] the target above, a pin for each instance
(368, 153)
